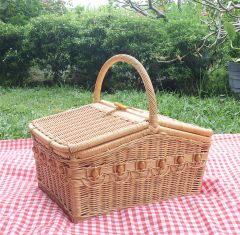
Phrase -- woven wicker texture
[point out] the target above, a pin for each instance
(81, 126)
(105, 156)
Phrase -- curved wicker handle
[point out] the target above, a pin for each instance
(153, 120)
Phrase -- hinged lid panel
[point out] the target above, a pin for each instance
(101, 122)
(87, 126)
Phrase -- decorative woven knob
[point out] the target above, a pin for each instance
(162, 164)
(43, 157)
(198, 158)
(95, 173)
(61, 170)
(180, 160)
(142, 165)
(120, 169)
(51, 163)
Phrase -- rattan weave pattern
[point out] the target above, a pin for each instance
(108, 190)
(71, 125)
(104, 156)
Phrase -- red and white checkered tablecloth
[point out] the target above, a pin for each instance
(25, 209)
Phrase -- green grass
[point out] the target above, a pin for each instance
(19, 106)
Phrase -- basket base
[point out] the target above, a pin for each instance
(73, 219)
(77, 219)
(54, 199)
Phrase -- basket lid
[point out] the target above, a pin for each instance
(101, 122)
(94, 124)
(86, 126)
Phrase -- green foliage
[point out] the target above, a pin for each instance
(216, 82)
(109, 32)
(234, 38)
(79, 42)
(19, 106)
(231, 31)
(51, 41)
(15, 53)
(89, 52)
(20, 11)
(14, 61)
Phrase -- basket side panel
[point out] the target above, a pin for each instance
(113, 191)
(148, 147)
(111, 196)
(52, 177)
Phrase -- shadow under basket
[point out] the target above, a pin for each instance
(105, 156)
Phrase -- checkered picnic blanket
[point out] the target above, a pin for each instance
(25, 209)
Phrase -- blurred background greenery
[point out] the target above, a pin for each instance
(51, 53)
(49, 42)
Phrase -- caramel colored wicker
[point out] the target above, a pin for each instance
(105, 156)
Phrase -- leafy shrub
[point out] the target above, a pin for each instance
(79, 42)
(14, 61)
(217, 82)
(20, 11)
(51, 41)
(106, 33)
(89, 52)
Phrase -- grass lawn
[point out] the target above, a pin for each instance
(21, 105)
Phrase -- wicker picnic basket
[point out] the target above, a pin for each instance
(105, 156)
